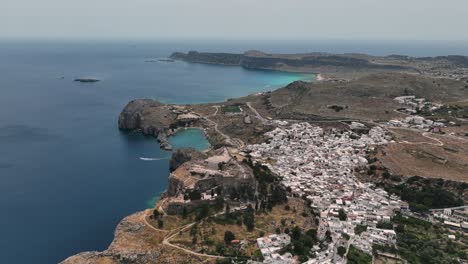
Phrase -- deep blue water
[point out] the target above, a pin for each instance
(67, 174)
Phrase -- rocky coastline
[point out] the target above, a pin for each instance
(335, 66)
(153, 118)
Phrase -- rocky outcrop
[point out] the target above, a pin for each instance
(135, 243)
(86, 80)
(150, 117)
(156, 119)
(181, 156)
(132, 117)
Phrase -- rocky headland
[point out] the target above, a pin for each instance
(335, 66)
(156, 119)
(86, 80)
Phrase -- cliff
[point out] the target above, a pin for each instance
(310, 62)
(180, 156)
(155, 119)
(209, 58)
(137, 243)
(336, 66)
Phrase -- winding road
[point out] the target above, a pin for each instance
(231, 141)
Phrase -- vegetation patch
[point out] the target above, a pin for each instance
(421, 242)
(356, 256)
(231, 109)
(425, 197)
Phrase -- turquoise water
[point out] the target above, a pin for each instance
(151, 202)
(189, 137)
(184, 138)
(67, 174)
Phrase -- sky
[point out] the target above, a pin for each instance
(235, 19)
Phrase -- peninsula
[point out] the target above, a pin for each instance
(369, 162)
(335, 66)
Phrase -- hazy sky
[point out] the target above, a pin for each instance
(235, 19)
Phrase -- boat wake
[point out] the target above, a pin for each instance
(150, 159)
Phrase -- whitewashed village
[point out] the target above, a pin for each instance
(320, 166)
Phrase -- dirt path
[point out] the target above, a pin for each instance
(424, 134)
(175, 232)
(237, 142)
(259, 117)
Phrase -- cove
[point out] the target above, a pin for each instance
(189, 138)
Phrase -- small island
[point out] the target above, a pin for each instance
(86, 80)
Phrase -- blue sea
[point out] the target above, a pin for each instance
(67, 174)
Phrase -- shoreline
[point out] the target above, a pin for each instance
(203, 111)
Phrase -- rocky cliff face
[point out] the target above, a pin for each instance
(135, 243)
(150, 117)
(180, 156)
(313, 62)
(133, 116)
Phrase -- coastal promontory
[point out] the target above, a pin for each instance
(307, 171)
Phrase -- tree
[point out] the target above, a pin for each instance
(359, 229)
(345, 236)
(160, 223)
(195, 195)
(312, 233)
(204, 210)
(296, 233)
(341, 251)
(227, 211)
(384, 225)
(194, 230)
(219, 202)
(228, 237)
(184, 212)
(283, 221)
(220, 248)
(328, 236)
(356, 256)
(342, 215)
(249, 218)
(400, 228)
